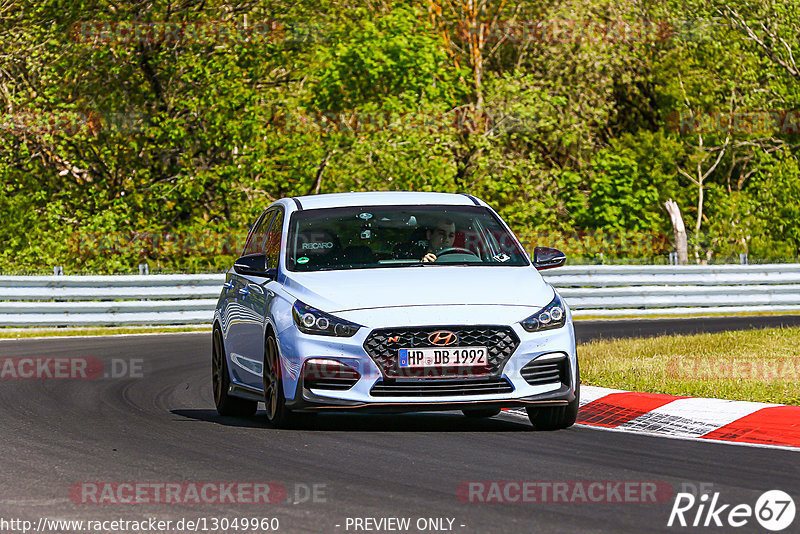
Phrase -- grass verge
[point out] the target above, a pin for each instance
(19, 333)
(752, 365)
(682, 315)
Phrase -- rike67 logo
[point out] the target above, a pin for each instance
(774, 510)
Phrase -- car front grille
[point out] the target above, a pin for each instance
(383, 345)
(441, 388)
(547, 371)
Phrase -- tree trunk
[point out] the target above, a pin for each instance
(680, 231)
(700, 198)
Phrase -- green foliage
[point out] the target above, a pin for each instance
(115, 152)
(390, 58)
(619, 196)
(775, 190)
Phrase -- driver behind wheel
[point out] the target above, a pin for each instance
(440, 237)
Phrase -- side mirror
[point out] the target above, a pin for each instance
(254, 265)
(548, 258)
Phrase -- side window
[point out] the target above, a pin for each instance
(258, 236)
(273, 244)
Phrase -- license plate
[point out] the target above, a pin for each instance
(442, 357)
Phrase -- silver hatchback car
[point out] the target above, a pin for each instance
(392, 302)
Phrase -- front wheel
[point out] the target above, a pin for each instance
(220, 382)
(278, 414)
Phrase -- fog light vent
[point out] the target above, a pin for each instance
(328, 374)
(547, 369)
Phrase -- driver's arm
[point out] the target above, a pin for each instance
(430, 257)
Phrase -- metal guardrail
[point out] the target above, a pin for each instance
(613, 290)
(108, 300)
(598, 290)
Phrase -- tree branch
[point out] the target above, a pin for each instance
(320, 170)
(739, 22)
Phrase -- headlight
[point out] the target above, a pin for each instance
(312, 321)
(554, 315)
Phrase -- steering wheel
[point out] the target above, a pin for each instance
(455, 250)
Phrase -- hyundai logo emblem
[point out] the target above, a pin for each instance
(442, 338)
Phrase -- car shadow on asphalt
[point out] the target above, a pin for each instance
(416, 422)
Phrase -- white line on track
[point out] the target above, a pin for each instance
(31, 502)
(207, 332)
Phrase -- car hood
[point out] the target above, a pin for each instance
(338, 291)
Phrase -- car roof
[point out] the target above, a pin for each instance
(386, 198)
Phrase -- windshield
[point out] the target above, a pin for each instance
(368, 237)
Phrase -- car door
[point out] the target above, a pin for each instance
(257, 297)
(244, 327)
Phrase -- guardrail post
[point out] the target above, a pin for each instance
(58, 270)
(743, 258)
(673, 258)
(144, 268)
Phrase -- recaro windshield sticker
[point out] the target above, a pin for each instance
(317, 245)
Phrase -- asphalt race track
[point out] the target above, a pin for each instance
(159, 425)
(619, 328)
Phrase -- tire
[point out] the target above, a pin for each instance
(480, 413)
(221, 381)
(557, 417)
(278, 414)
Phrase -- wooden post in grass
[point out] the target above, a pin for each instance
(680, 231)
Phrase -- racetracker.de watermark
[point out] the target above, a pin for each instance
(570, 491)
(147, 524)
(732, 368)
(196, 492)
(741, 122)
(358, 122)
(152, 244)
(69, 368)
(70, 123)
(198, 32)
(570, 31)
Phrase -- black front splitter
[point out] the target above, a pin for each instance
(306, 401)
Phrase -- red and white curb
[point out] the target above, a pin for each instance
(745, 423)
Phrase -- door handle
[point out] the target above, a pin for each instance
(256, 288)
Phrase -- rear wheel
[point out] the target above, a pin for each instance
(480, 413)
(278, 414)
(220, 382)
(557, 417)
